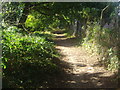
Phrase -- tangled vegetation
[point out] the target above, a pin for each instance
(28, 51)
(25, 58)
(103, 42)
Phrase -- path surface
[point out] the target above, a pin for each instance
(82, 70)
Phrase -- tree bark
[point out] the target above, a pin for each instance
(24, 15)
(75, 28)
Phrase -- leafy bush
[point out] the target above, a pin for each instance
(103, 41)
(26, 59)
(46, 35)
(38, 22)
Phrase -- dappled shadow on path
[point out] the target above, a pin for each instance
(60, 80)
(69, 77)
(61, 36)
(66, 42)
(91, 80)
(59, 32)
(62, 40)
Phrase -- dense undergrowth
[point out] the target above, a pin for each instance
(103, 42)
(28, 53)
(27, 60)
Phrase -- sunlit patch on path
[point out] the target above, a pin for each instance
(82, 71)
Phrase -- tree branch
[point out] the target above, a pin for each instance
(103, 11)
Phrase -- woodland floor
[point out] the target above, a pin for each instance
(80, 69)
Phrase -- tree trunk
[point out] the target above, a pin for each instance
(79, 28)
(24, 15)
(75, 28)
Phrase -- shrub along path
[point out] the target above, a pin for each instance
(81, 70)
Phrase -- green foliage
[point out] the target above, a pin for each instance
(32, 22)
(38, 22)
(102, 41)
(12, 12)
(26, 58)
(46, 35)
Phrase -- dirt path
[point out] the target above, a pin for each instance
(82, 70)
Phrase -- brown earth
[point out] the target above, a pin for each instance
(80, 69)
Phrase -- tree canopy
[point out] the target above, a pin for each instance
(28, 37)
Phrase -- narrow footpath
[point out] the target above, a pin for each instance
(82, 70)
